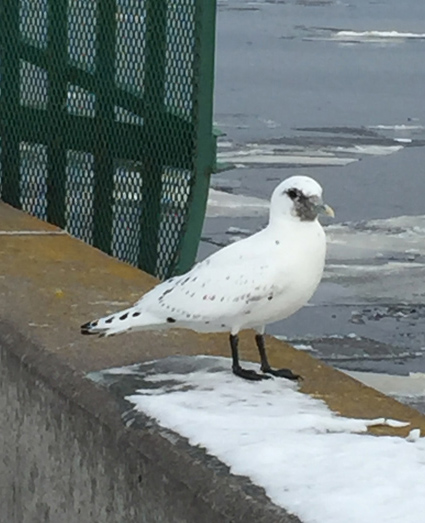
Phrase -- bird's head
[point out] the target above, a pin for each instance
(299, 198)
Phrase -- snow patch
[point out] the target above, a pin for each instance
(316, 464)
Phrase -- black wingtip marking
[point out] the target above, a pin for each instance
(87, 328)
(171, 320)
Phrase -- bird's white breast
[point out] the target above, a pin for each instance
(300, 259)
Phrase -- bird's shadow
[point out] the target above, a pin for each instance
(169, 375)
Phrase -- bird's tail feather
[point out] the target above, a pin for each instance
(122, 321)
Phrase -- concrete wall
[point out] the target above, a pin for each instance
(66, 456)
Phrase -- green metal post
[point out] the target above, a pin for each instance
(9, 101)
(103, 151)
(56, 111)
(154, 121)
(204, 155)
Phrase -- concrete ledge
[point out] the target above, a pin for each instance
(68, 457)
(66, 454)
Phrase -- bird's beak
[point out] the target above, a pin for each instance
(325, 209)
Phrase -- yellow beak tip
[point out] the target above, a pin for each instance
(329, 211)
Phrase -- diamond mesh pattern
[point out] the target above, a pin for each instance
(82, 24)
(172, 215)
(131, 28)
(127, 212)
(179, 62)
(79, 194)
(33, 86)
(33, 178)
(105, 121)
(33, 21)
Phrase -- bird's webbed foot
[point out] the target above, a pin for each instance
(282, 373)
(248, 374)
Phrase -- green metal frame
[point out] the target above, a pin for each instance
(155, 144)
(205, 139)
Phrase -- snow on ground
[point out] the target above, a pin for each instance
(319, 466)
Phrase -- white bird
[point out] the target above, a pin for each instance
(248, 284)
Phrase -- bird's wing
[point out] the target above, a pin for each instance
(229, 283)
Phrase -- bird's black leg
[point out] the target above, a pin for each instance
(265, 366)
(237, 369)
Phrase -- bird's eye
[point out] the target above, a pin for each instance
(292, 193)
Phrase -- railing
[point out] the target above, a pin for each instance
(106, 121)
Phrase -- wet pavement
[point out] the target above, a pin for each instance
(333, 90)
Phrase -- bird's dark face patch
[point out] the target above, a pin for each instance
(305, 207)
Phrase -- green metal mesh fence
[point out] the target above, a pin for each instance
(106, 121)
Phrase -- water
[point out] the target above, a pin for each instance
(333, 89)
